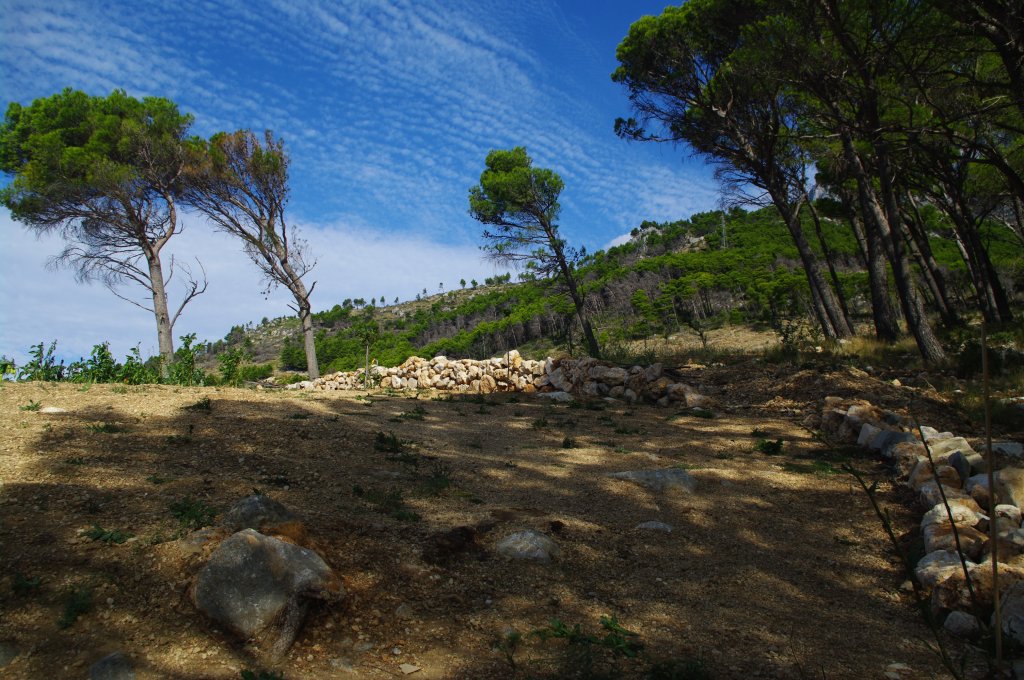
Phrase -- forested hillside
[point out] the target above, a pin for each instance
(686, 276)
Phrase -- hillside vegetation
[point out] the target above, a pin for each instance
(684, 277)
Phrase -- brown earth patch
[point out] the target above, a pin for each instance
(776, 567)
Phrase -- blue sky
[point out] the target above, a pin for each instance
(388, 109)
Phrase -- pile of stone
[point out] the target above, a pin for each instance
(960, 474)
(510, 372)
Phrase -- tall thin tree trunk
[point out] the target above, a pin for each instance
(164, 334)
(830, 261)
(929, 267)
(883, 314)
(830, 317)
(309, 340)
(889, 220)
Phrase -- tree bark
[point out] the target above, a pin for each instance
(889, 222)
(164, 335)
(829, 260)
(929, 267)
(830, 317)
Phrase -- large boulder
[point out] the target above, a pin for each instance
(259, 588)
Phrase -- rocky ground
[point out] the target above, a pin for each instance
(775, 567)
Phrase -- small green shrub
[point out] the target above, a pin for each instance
(229, 363)
(183, 370)
(42, 364)
(388, 443)
(440, 478)
(116, 536)
(192, 513)
(30, 406)
(77, 601)
(568, 443)
(540, 423)
(255, 372)
(204, 405)
(768, 447)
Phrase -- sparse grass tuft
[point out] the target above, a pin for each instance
(415, 414)
(116, 536)
(77, 601)
(388, 443)
(30, 406)
(203, 404)
(568, 443)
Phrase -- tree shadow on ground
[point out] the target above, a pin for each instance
(768, 570)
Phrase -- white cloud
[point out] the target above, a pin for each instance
(353, 261)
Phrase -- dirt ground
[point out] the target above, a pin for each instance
(776, 566)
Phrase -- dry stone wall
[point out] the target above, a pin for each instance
(939, 464)
(510, 372)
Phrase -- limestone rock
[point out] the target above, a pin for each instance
(1010, 486)
(952, 593)
(1008, 449)
(556, 396)
(886, 440)
(655, 526)
(528, 545)
(966, 513)
(868, 432)
(962, 625)
(931, 496)
(1011, 513)
(114, 666)
(937, 566)
(259, 587)
(944, 448)
(1012, 612)
(940, 537)
(558, 380)
(977, 487)
(615, 376)
(52, 410)
(256, 512)
(667, 479)
(488, 384)
(1010, 543)
(931, 435)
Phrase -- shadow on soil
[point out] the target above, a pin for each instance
(767, 570)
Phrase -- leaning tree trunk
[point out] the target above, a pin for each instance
(830, 316)
(929, 267)
(164, 336)
(889, 221)
(830, 261)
